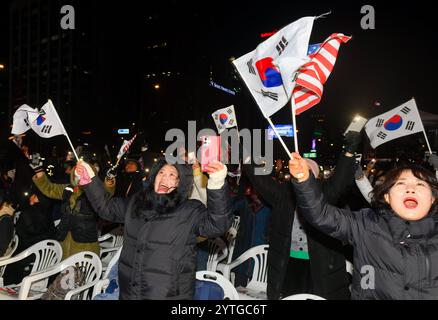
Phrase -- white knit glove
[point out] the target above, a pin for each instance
(84, 173)
(216, 179)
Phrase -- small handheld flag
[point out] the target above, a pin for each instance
(224, 118)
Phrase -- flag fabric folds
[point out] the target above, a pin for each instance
(396, 123)
(48, 124)
(269, 70)
(224, 118)
(312, 76)
(125, 147)
(23, 116)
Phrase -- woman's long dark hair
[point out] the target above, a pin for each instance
(149, 200)
(378, 200)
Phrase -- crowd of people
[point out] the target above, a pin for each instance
(381, 216)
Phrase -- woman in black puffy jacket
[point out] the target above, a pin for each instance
(395, 243)
(158, 259)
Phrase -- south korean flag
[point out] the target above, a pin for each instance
(396, 123)
(224, 118)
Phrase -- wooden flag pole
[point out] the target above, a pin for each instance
(65, 132)
(280, 138)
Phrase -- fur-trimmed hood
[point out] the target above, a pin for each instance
(150, 201)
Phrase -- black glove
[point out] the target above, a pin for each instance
(111, 173)
(36, 162)
(352, 141)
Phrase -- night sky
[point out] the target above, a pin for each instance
(389, 65)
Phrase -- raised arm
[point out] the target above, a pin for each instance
(108, 207)
(48, 188)
(339, 223)
(216, 219)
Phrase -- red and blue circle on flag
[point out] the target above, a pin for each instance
(394, 123)
(269, 74)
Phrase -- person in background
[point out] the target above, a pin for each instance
(301, 258)
(77, 230)
(6, 226)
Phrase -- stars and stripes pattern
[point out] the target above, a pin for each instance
(312, 76)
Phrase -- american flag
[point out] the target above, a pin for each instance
(312, 76)
(125, 147)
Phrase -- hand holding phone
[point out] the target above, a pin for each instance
(210, 151)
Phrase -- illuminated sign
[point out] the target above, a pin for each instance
(284, 130)
(267, 34)
(309, 155)
(123, 131)
(217, 86)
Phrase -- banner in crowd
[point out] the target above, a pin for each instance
(268, 71)
(312, 76)
(396, 123)
(224, 118)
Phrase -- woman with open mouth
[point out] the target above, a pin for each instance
(395, 242)
(158, 259)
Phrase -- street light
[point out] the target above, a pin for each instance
(2, 66)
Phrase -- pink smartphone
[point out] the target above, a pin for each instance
(210, 150)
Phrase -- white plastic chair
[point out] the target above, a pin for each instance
(110, 240)
(16, 217)
(10, 250)
(303, 296)
(236, 223)
(87, 261)
(109, 244)
(230, 293)
(231, 240)
(349, 267)
(47, 254)
(103, 283)
(256, 287)
(217, 251)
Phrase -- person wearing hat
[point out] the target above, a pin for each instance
(158, 259)
(77, 230)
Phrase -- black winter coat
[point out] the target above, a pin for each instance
(158, 259)
(327, 261)
(393, 258)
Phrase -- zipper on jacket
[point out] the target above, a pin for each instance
(425, 251)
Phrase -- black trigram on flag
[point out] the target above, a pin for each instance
(26, 121)
(229, 111)
(405, 110)
(231, 122)
(381, 135)
(281, 45)
(46, 129)
(410, 125)
(380, 123)
(250, 67)
(271, 95)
